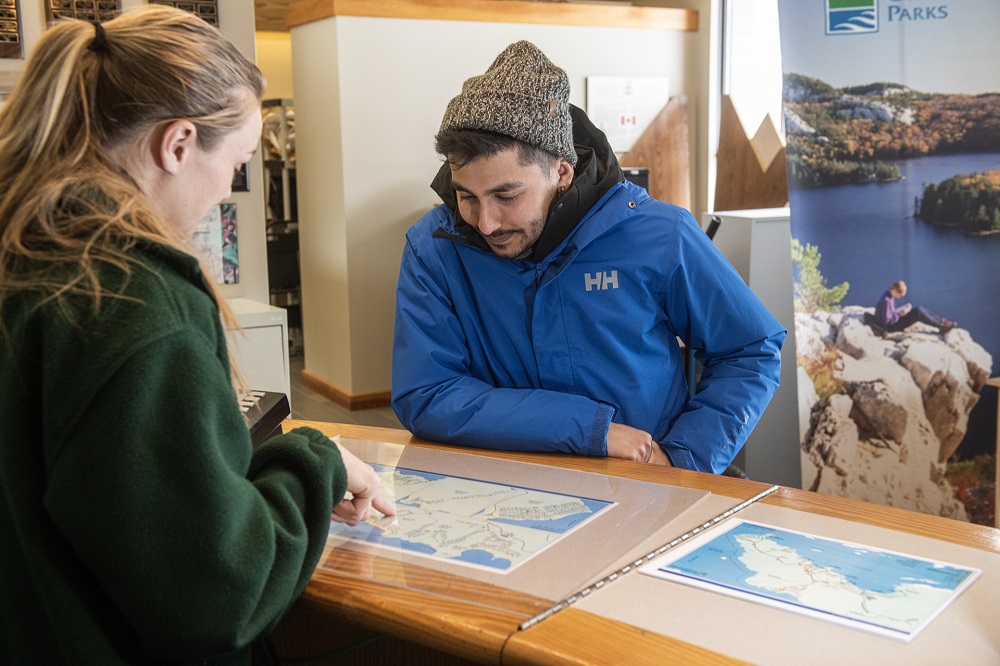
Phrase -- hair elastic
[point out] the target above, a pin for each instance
(97, 43)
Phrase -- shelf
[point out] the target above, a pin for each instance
(499, 11)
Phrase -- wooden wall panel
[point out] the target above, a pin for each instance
(750, 173)
(663, 149)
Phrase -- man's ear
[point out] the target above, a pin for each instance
(565, 172)
(175, 145)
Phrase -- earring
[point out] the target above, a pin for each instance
(562, 190)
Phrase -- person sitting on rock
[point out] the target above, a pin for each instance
(895, 319)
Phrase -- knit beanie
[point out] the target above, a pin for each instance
(522, 95)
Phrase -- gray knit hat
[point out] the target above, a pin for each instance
(522, 95)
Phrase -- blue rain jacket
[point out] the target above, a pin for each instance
(542, 355)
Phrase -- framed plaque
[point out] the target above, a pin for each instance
(11, 45)
(207, 10)
(87, 10)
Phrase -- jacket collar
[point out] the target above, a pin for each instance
(184, 264)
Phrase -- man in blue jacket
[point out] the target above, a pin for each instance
(539, 309)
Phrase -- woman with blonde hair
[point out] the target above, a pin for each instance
(137, 524)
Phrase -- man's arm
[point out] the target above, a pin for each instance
(732, 393)
(737, 341)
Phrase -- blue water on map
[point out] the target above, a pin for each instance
(475, 556)
(414, 546)
(868, 569)
(426, 476)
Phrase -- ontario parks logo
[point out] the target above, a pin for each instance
(851, 17)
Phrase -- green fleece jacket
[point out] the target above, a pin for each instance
(136, 523)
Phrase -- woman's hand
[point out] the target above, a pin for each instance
(362, 484)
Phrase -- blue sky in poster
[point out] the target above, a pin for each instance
(944, 46)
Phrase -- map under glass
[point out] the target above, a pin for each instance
(470, 522)
(868, 588)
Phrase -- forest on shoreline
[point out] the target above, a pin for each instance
(837, 136)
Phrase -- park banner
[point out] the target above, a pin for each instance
(892, 120)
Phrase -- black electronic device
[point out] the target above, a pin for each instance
(263, 412)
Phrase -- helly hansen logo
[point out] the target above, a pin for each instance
(601, 281)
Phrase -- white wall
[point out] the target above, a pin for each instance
(236, 20)
(370, 93)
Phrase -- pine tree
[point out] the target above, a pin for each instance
(811, 292)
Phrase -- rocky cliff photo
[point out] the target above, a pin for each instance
(881, 415)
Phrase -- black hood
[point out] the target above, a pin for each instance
(597, 171)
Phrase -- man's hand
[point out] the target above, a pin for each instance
(659, 457)
(633, 444)
(362, 484)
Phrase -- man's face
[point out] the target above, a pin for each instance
(507, 202)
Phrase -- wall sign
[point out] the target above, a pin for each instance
(623, 106)
(893, 162)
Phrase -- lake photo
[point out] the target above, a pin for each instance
(868, 236)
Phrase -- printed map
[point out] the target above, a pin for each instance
(468, 521)
(868, 588)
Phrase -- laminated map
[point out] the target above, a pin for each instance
(867, 588)
(467, 521)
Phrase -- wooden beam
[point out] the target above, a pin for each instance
(499, 11)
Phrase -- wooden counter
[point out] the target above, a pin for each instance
(437, 618)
